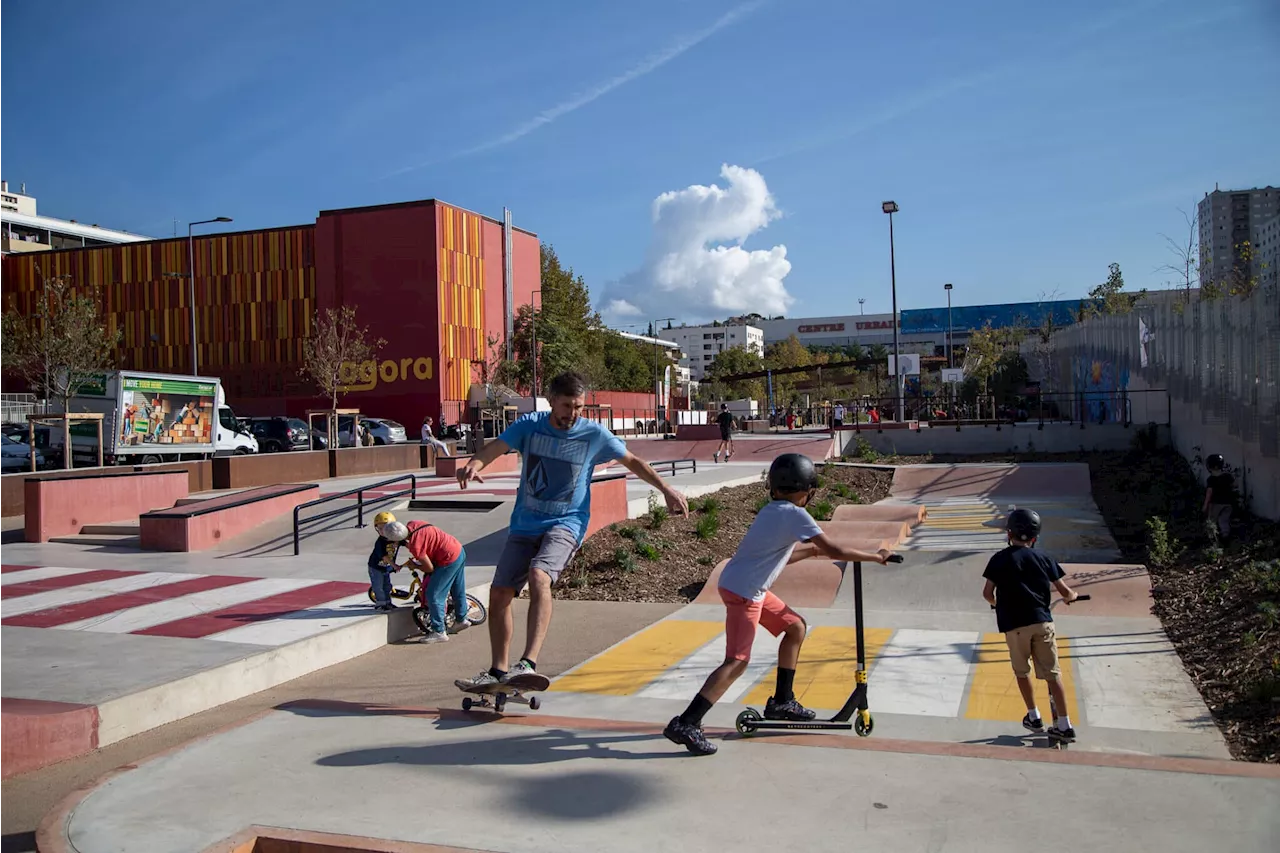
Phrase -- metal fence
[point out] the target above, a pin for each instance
(14, 408)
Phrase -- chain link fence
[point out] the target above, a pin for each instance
(1218, 359)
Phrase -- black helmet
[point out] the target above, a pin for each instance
(1024, 524)
(1215, 460)
(792, 472)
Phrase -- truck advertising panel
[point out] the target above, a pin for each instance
(156, 411)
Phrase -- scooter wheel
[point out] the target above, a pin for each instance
(371, 596)
(863, 724)
(746, 722)
(467, 703)
(534, 703)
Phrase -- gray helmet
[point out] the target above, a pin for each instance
(1024, 524)
(395, 531)
(792, 472)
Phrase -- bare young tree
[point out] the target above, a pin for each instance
(1185, 267)
(339, 354)
(63, 347)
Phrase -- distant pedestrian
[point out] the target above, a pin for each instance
(725, 421)
(428, 437)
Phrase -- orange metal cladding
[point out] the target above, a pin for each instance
(461, 284)
(256, 293)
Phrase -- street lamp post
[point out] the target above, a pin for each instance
(657, 369)
(891, 207)
(862, 306)
(950, 335)
(191, 285)
(533, 355)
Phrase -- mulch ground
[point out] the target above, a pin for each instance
(667, 559)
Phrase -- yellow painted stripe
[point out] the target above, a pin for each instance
(993, 693)
(828, 660)
(631, 665)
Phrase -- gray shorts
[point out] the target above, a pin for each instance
(549, 552)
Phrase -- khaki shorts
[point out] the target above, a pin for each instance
(1034, 643)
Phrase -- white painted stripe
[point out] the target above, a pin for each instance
(290, 627)
(88, 592)
(923, 672)
(44, 573)
(685, 678)
(1136, 681)
(184, 606)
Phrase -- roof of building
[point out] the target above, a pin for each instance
(76, 229)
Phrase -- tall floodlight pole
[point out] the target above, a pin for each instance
(891, 207)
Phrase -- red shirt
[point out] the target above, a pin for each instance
(427, 540)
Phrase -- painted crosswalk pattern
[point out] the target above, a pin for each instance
(226, 608)
(977, 524)
(932, 673)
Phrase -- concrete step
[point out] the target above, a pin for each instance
(125, 540)
(123, 528)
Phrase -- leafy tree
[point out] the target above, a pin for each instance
(629, 364)
(993, 354)
(339, 353)
(730, 362)
(61, 348)
(783, 354)
(1109, 297)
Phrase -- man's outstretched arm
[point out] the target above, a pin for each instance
(676, 502)
(471, 471)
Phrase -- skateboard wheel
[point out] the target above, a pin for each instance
(863, 725)
(746, 722)
(500, 702)
(534, 703)
(467, 703)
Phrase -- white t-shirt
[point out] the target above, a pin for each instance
(764, 550)
(426, 431)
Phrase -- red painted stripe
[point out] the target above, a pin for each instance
(15, 568)
(69, 613)
(217, 621)
(50, 584)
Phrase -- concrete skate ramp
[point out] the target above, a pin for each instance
(1026, 480)
(859, 534)
(808, 583)
(910, 514)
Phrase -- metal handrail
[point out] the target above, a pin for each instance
(674, 463)
(359, 491)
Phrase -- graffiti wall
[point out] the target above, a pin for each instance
(1102, 386)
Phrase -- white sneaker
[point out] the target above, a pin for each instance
(484, 679)
(435, 637)
(461, 625)
(521, 668)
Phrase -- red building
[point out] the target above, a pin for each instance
(428, 277)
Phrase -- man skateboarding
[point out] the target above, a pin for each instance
(560, 451)
(725, 422)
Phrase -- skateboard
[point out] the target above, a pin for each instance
(497, 696)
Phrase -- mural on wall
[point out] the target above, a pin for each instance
(1103, 388)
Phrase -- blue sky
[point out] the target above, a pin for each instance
(1028, 144)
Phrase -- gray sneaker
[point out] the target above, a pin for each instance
(521, 668)
(435, 637)
(460, 625)
(484, 679)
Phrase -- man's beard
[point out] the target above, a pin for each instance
(563, 423)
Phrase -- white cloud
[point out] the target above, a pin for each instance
(689, 272)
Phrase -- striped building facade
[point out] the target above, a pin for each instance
(425, 276)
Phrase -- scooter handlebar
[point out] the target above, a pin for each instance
(894, 558)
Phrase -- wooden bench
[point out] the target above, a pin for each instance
(202, 525)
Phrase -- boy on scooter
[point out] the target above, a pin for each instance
(1020, 583)
(382, 562)
(444, 561)
(767, 548)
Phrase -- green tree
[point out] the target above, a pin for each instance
(730, 362)
(1109, 297)
(62, 347)
(993, 355)
(784, 354)
(629, 364)
(339, 353)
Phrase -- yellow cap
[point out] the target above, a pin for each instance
(383, 518)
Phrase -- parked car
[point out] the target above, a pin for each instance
(383, 431)
(17, 455)
(280, 434)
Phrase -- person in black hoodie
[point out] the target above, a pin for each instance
(382, 562)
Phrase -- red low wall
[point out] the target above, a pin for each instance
(379, 459)
(608, 501)
(13, 490)
(39, 733)
(62, 506)
(449, 466)
(201, 526)
(698, 432)
(267, 469)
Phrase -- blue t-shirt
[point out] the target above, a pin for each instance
(555, 481)
(764, 550)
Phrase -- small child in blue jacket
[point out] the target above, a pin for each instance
(382, 562)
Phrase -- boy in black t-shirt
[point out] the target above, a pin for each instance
(1020, 583)
(1219, 495)
(725, 422)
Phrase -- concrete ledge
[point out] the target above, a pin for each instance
(203, 525)
(61, 506)
(39, 733)
(608, 501)
(379, 459)
(698, 432)
(449, 466)
(267, 469)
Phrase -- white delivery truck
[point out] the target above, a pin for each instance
(155, 417)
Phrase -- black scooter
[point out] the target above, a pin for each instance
(751, 721)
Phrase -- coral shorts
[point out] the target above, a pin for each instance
(742, 615)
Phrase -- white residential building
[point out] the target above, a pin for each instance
(702, 344)
(22, 229)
